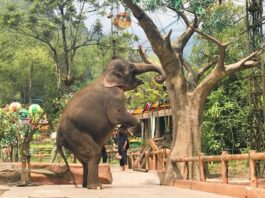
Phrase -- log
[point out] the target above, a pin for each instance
(153, 144)
(141, 170)
(138, 160)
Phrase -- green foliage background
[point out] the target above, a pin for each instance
(225, 125)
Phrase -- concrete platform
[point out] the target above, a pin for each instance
(125, 184)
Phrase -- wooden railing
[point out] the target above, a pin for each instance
(252, 157)
(148, 160)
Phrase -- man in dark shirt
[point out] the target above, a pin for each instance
(123, 145)
(104, 154)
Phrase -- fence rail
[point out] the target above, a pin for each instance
(224, 158)
(148, 160)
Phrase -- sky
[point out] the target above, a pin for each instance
(164, 21)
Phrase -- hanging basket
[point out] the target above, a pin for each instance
(14, 106)
(122, 21)
(35, 109)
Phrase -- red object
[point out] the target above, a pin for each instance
(147, 106)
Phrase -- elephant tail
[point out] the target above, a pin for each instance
(60, 151)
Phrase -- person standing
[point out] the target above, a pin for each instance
(54, 150)
(123, 145)
(104, 154)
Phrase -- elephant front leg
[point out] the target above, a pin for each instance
(118, 114)
(85, 174)
(93, 180)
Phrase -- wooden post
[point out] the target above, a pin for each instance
(163, 159)
(252, 170)
(224, 168)
(154, 162)
(138, 160)
(186, 171)
(153, 144)
(202, 172)
(147, 160)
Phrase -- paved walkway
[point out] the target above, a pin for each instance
(128, 184)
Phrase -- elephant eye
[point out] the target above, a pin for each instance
(118, 74)
(132, 68)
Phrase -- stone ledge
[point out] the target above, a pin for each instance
(221, 189)
(47, 173)
(3, 189)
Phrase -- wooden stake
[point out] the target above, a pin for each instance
(252, 170)
(224, 168)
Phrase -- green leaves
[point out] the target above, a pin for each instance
(8, 126)
(226, 110)
(198, 7)
(16, 58)
(225, 123)
(176, 4)
(149, 92)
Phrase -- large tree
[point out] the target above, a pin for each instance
(188, 88)
(58, 25)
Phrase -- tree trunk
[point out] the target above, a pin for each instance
(25, 166)
(187, 91)
(58, 80)
(65, 50)
(187, 122)
(30, 83)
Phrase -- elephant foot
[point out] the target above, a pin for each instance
(95, 186)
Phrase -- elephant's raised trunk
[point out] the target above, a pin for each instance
(141, 68)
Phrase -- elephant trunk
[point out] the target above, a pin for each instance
(141, 68)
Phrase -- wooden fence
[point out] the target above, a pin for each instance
(148, 160)
(252, 157)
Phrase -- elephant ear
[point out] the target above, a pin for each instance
(113, 79)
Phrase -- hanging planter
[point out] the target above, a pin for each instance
(24, 113)
(14, 106)
(122, 21)
(35, 110)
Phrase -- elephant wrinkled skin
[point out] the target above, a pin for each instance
(92, 114)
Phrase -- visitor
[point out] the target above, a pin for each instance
(104, 154)
(123, 145)
(54, 150)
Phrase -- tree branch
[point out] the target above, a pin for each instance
(190, 74)
(184, 17)
(216, 76)
(146, 23)
(79, 24)
(185, 37)
(203, 69)
(37, 37)
(211, 38)
(143, 55)
(254, 25)
(242, 64)
(222, 47)
(182, 40)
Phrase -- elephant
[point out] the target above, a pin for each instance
(91, 115)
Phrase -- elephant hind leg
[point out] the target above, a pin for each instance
(88, 153)
(59, 145)
(90, 172)
(93, 180)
